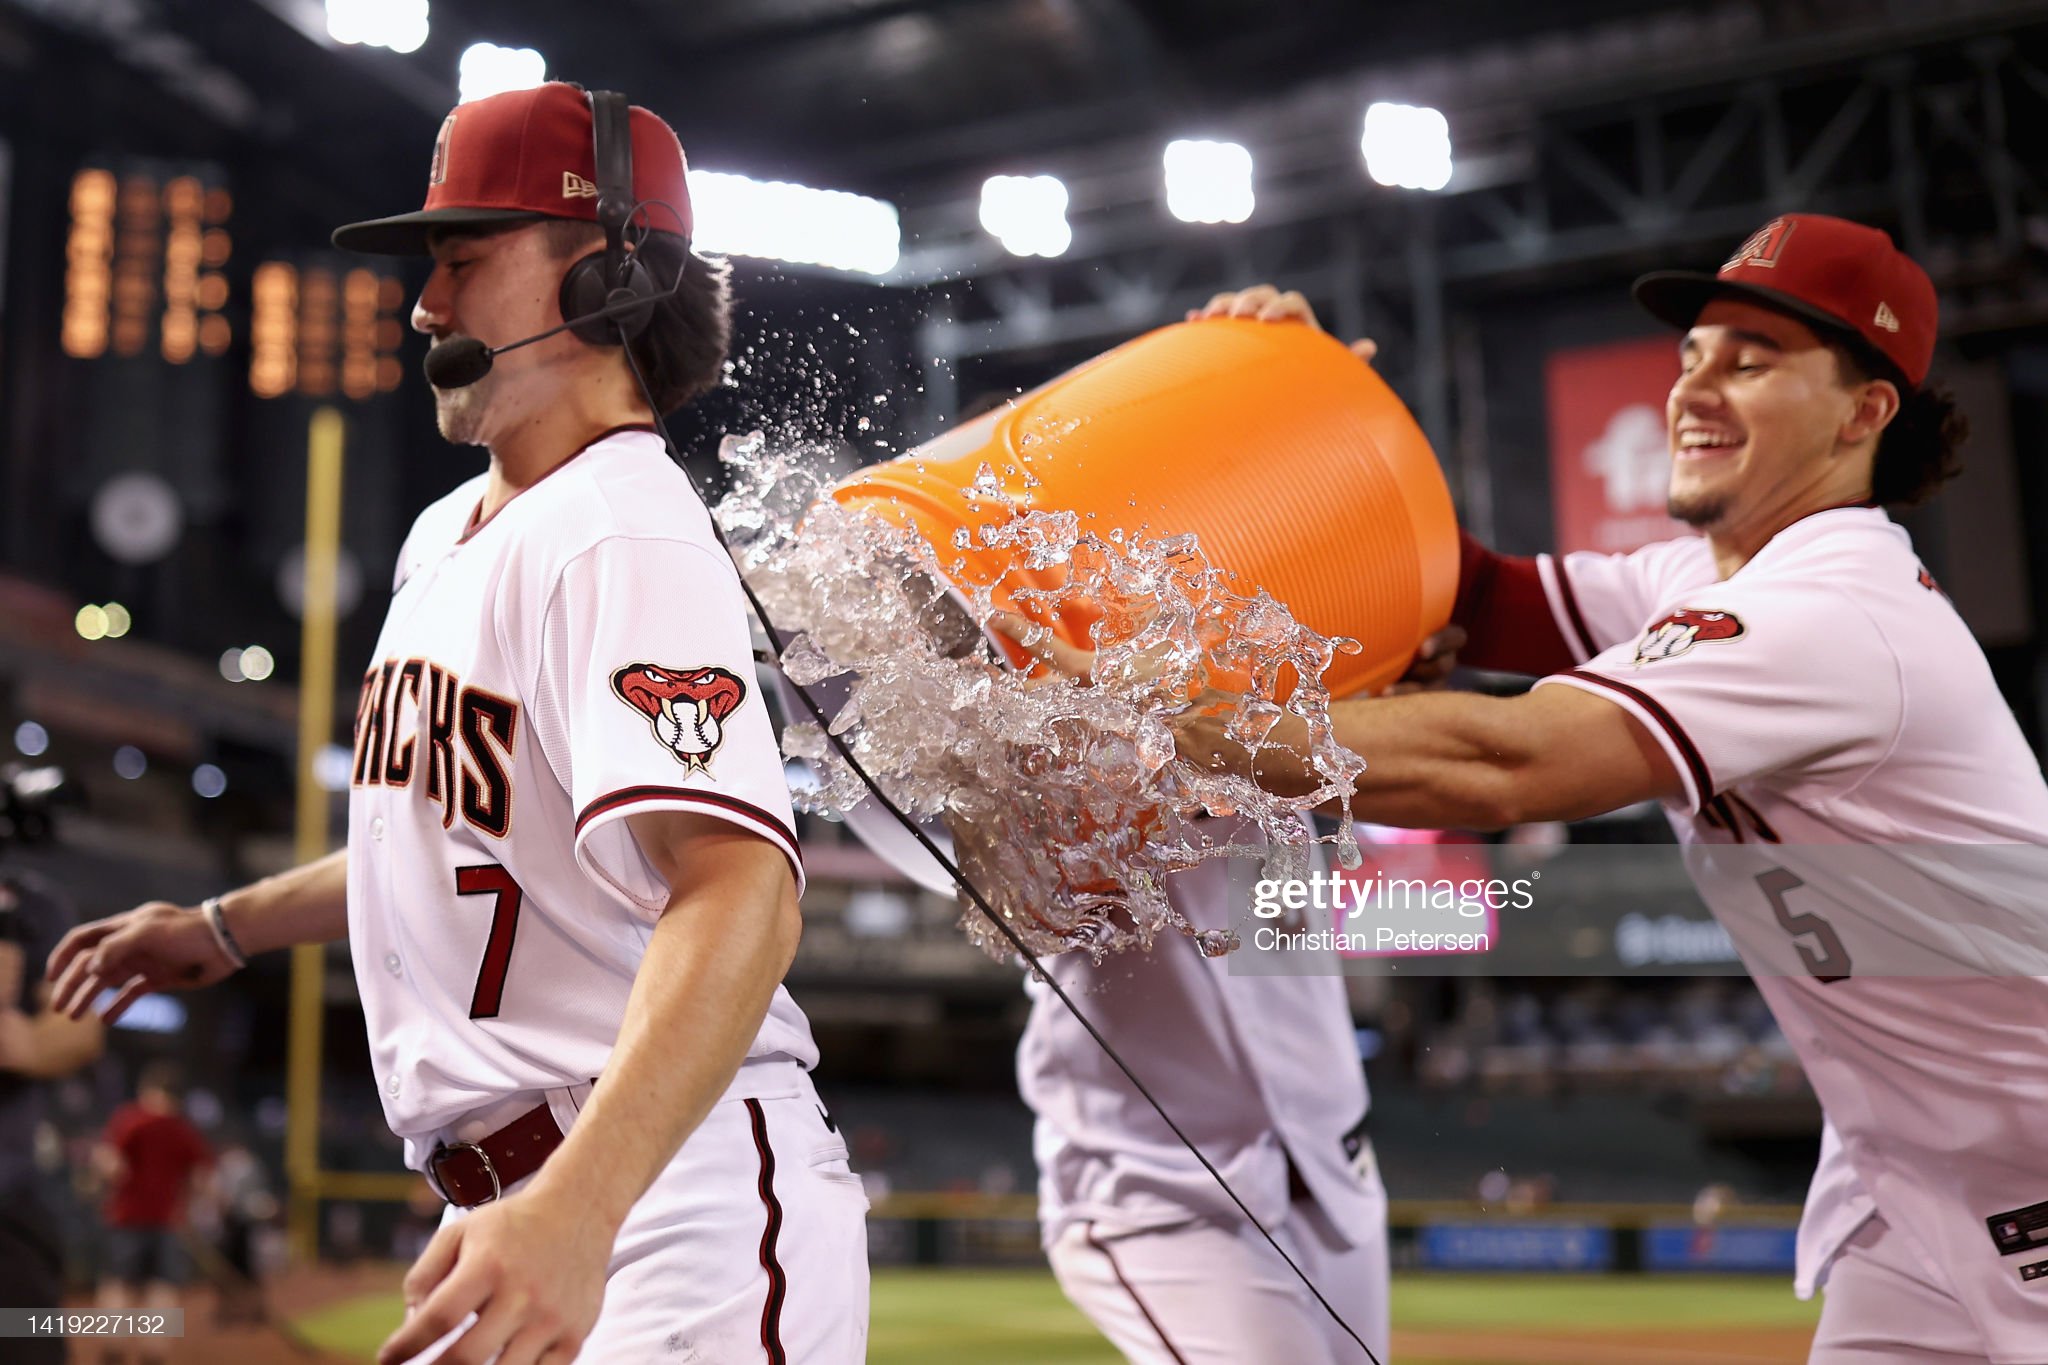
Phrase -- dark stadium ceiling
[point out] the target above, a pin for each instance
(899, 98)
(911, 100)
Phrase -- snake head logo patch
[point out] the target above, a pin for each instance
(687, 707)
(1683, 629)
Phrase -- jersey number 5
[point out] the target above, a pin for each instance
(1831, 962)
(493, 880)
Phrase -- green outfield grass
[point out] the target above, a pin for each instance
(1018, 1317)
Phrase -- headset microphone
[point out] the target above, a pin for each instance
(459, 362)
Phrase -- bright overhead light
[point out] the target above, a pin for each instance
(209, 781)
(1407, 145)
(31, 738)
(1208, 182)
(130, 762)
(91, 622)
(487, 69)
(740, 216)
(1027, 214)
(257, 664)
(400, 25)
(118, 620)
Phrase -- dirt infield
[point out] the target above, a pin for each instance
(291, 1294)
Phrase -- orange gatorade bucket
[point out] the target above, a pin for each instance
(1290, 459)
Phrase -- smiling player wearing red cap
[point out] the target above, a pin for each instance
(1794, 687)
(570, 887)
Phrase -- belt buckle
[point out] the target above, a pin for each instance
(445, 1150)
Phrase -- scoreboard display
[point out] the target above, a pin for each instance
(144, 265)
(146, 272)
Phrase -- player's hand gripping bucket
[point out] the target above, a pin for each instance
(1290, 459)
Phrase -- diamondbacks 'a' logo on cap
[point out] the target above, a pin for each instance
(575, 186)
(438, 172)
(1763, 247)
(1886, 318)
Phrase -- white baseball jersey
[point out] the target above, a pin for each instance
(580, 656)
(1258, 1071)
(1835, 725)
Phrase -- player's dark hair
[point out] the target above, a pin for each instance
(1921, 449)
(682, 349)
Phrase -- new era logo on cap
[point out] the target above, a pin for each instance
(1886, 318)
(575, 186)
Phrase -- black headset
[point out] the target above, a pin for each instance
(613, 277)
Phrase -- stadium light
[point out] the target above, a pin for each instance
(1407, 145)
(1027, 214)
(1208, 182)
(740, 216)
(400, 25)
(487, 69)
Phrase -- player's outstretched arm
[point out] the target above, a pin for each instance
(1439, 760)
(532, 1265)
(159, 946)
(1460, 760)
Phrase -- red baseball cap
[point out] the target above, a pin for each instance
(526, 155)
(1842, 277)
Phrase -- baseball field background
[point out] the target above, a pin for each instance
(1017, 1317)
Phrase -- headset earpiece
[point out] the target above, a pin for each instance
(612, 275)
(586, 288)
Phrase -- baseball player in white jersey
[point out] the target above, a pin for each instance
(570, 887)
(1263, 1074)
(1792, 678)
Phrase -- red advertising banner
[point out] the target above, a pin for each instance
(1610, 462)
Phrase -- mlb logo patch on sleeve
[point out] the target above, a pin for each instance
(2021, 1230)
(2035, 1271)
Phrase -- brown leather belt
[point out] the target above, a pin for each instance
(467, 1174)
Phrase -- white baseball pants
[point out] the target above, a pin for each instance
(1211, 1292)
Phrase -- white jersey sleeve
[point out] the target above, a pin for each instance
(647, 678)
(1599, 600)
(1742, 682)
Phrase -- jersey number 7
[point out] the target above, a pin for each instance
(1831, 962)
(491, 879)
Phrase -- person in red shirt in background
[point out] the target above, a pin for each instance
(152, 1159)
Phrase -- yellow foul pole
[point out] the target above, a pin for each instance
(316, 728)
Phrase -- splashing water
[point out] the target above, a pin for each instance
(1069, 804)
